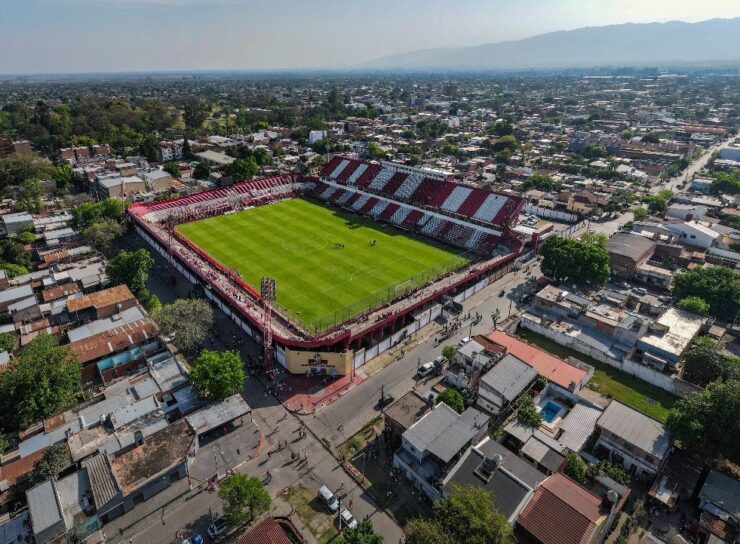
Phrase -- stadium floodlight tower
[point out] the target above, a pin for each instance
(267, 290)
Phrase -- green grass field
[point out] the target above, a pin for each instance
(294, 242)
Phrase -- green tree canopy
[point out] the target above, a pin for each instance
(101, 235)
(695, 305)
(541, 183)
(640, 213)
(707, 423)
(87, 213)
(578, 260)
(527, 413)
(453, 399)
(188, 319)
(201, 171)
(172, 168)
(362, 534)
(468, 515)
(449, 352)
(421, 531)
(576, 468)
(8, 341)
(17, 169)
(218, 375)
(719, 286)
(703, 363)
(131, 268)
(55, 460)
(244, 498)
(42, 380)
(241, 170)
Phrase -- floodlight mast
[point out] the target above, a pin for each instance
(267, 291)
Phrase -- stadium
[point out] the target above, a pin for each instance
(330, 271)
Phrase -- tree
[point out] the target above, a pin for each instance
(453, 399)
(579, 260)
(449, 352)
(527, 413)
(29, 196)
(707, 423)
(42, 380)
(640, 213)
(362, 534)
(26, 237)
(4, 444)
(201, 171)
(650, 138)
(131, 268)
(503, 128)
(576, 467)
(149, 147)
(421, 531)
(55, 460)
(505, 143)
(241, 170)
(194, 113)
(262, 156)
(718, 286)
(656, 203)
(468, 516)
(703, 363)
(101, 234)
(187, 319)
(187, 150)
(217, 376)
(63, 176)
(244, 498)
(16, 169)
(87, 213)
(8, 341)
(695, 305)
(541, 183)
(173, 169)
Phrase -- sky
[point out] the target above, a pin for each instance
(61, 36)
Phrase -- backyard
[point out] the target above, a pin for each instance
(611, 382)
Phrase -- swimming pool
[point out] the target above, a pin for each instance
(550, 411)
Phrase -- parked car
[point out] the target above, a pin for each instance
(217, 528)
(385, 401)
(463, 341)
(425, 370)
(328, 498)
(440, 362)
(195, 539)
(641, 291)
(348, 520)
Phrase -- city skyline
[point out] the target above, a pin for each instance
(77, 36)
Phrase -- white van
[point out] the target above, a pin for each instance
(329, 499)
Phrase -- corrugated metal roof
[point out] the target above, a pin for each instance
(218, 414)
(101, 299)
(578, 426)
(635, 428)
(509, 377)
(103, 484)
(44, 506)
(103, 325)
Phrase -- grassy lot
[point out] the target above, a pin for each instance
(313, 513)
(295, 242)
(611, 382)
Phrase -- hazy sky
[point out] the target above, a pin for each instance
(126, 35)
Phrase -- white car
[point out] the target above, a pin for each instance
(218, 527)
(425, 370)
(463, 341)
(347, 519)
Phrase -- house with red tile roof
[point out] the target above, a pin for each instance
(562, 373)
(563, 512)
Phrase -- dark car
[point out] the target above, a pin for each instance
(385, 401)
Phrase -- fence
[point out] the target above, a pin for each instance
(547, 213)
(677, 386)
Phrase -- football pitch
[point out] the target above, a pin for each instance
(325, 263)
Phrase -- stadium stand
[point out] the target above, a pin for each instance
(368, 175)
(359, 171)
(348, 171)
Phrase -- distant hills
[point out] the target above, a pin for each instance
(712, 42)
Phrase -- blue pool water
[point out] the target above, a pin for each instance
(550, 411)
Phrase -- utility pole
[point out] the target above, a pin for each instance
(382, 398)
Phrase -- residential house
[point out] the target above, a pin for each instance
(158, 181)
(511, 480)
(627, 252)
(668, 338)
(562, 512)
(631, 439)
(503, 384)
(719, 504)
(434, 444)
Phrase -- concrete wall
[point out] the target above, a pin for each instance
(547, 213)
(671, 384)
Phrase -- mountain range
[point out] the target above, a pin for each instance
(711, 42)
